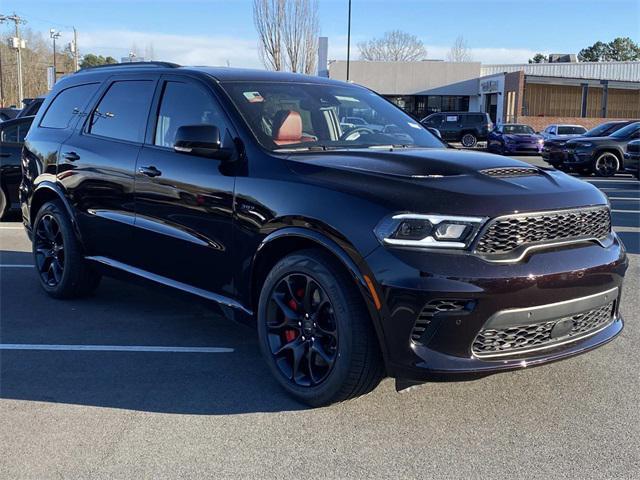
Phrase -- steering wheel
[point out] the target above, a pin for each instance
(355, 134)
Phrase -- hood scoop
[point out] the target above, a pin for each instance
(510, 172)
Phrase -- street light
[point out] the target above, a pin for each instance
(54, 36)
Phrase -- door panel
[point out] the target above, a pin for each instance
(97, 165)
(184, 203)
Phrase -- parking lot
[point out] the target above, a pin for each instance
(137, 382)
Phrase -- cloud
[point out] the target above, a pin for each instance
(182, 49)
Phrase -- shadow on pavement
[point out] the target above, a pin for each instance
(129, 314)
(631, 241)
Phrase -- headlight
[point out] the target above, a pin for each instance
(541, 140)
(432, 231)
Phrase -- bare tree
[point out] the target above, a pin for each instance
(460, 51)
(288, 33)
(394, 46)
(268, 17)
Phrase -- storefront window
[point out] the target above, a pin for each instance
(422, 105)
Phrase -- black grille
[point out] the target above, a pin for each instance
(510, 172)
(430, 310)
(633, 147)
(537, 335)
(507, 233)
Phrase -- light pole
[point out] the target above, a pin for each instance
(348, 40)
(54, 36)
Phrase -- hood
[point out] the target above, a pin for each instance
(522, 137)
(595, 140)
(430, 180)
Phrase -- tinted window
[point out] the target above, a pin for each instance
(185, 104)
(434, 120)
(474, 119)
(122, 112)
(517, 129)
(569, 130)
(627, 132)
(66, 104)
(15, 133)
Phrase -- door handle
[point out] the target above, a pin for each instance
(71, 156)
(150, 171)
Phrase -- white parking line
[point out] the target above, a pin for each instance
(11, 227)
(625, 198)
(15, 266)
(113, 348)
(626, 211)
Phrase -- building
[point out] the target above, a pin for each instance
(537, 94)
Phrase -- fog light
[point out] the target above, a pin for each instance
(450, 231)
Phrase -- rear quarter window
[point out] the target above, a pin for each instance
(67, 103)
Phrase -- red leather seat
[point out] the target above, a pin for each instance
(287, 128)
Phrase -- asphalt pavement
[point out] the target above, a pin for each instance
(136, 382)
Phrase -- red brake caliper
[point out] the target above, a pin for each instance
(290, 335)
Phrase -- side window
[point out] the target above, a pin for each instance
(435, 121)
(185, 104)
(67, 103)
(15, 133)
(122, 111)
(451, 118)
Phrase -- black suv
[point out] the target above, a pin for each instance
(465, 127)
(357, 254)
(603, 156)
(12, 134)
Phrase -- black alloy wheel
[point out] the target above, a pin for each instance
(302, 330)
(469, 140)
(49, 250)
(606, 165)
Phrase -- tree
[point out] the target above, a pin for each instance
(619, 49)
(92, 60)
(394, 46)
(539, 58)
(288, 33)
(460, 51)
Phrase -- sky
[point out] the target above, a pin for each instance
(220, 32)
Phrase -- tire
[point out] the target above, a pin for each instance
(62, 270)
(606, 164)
(469, 140)
(341, 359)
(4, 204)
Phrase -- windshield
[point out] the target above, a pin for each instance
(517, 129)
(626, 131)
(604, 129)
(302, 116)
(571, 130)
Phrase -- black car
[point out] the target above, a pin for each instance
(465, 127)
(603, 156)
(555, 152)
(357, 254)
(632, 158)
(12, 133)
(31, 106)
(8, 113)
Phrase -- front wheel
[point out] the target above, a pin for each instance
(4, 204)
(315, 332)
(606, 164)
(62, 269)
(469, 140)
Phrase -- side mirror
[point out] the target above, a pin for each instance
(202, 140)
(435, 132)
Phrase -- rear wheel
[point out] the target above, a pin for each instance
(315, 332)
(62, 269)
(469, 140)
(3, 204)
(606, 164)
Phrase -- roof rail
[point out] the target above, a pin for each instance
(132, 65)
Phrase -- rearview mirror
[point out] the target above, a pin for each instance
(202, 140)
(435, 132)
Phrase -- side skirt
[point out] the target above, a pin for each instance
(228, 305)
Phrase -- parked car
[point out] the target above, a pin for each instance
(562, 132)
(355, 259)
(632, 158)
(555, 152)
(603, 156)
(8, 113)
(512, 138)
(465, 127)
(31, 107)
(12, 133)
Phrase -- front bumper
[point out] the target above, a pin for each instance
(553, 156)
(523, 147)
(578, 158)
(410, 280)
(632, 163)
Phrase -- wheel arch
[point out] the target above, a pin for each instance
(46, 192)
(290, 239)
(610, 149)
